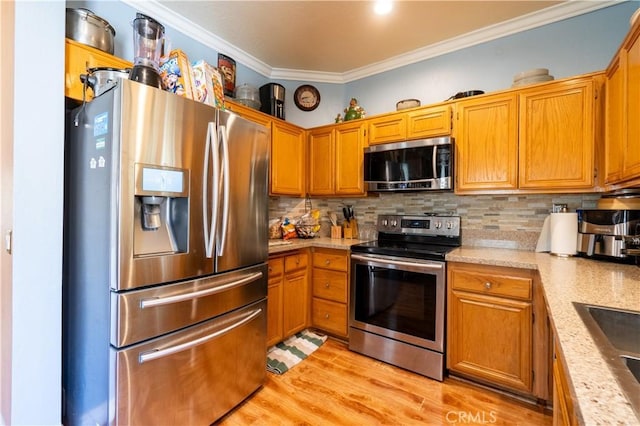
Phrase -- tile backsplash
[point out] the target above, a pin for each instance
(505, 221)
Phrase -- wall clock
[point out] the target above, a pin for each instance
(306, 97)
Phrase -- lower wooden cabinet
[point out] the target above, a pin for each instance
(330, 289)
(563, 412)
(287, 295)
(492, 337)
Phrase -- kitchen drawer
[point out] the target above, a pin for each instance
(296, 261)
(492, 283)
(337, 260)
(330, 285)
(276, 266)
(330, 316)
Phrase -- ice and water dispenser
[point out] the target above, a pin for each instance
(161, 223)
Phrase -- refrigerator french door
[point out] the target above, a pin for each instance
(165, 255)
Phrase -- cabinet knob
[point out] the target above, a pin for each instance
(327, 262)
(326, 316)
(487, 285)
(270, 269)
(326, 285)
(297, 260)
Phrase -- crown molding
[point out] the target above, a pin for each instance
(526, 22)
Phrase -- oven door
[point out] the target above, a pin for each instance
(399, 298)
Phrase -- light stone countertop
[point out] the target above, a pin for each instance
(325, 242)
(598, 399)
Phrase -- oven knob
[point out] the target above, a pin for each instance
(385, 222)
(394, 223)
(438, 225)
(451, 225)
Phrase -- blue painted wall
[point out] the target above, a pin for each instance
(570, 47)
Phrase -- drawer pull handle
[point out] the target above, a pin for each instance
(327, 262)
(487, 285)
(326, 316)
(326, 285)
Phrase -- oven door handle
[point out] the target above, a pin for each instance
(398, 262)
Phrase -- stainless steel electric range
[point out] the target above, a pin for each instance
(398, 287)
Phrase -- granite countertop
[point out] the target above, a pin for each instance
(598, 399)
(298, 243)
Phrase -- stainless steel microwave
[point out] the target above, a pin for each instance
(420, 165)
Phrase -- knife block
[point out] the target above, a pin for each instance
(336, 232)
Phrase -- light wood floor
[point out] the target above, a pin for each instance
(335, 386)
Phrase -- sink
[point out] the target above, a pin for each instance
(616, 333)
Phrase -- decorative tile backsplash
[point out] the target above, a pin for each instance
(506, 221)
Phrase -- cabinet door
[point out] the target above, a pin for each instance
(288, 157)
(556, 143)
(615, 127)
(295, 299)
(274, 311)
(490, 338)
(350, 144)
(321, 161)
(387, 128)
(80, 57)
(274, 301)
(487, 143)
(631, 168)
(429, 122)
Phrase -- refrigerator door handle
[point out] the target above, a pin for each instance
(160, 301)
(210, 157)
(161, 353)
(224, 222)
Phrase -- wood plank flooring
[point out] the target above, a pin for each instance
(335, 386)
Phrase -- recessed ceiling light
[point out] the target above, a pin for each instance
(382, 7)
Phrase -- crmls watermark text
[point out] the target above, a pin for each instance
(468, 417)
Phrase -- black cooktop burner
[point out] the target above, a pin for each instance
(403, 249)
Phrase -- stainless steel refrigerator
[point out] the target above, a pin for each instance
(165, 250)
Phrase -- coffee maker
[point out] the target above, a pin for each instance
(148, 35)
(609, 234)
(272, 99)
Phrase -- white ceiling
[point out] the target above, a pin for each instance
(340, 41)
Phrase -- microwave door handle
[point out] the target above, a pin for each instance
(433, 161)
(222, 236)
(161, 353)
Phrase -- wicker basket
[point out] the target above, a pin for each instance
(305, 231)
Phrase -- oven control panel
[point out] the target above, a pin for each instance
(427, 225)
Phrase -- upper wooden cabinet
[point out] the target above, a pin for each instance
(486, 143)
(415, 123)
(429, 122)
(288, 159)
(249, 113)
(557, 136)
(288, 152)
(536, 139)
(322, 161)
(78, 58)
(387, 128)
(336, 159)
(622, 134)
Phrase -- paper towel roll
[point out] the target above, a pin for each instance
(563, 228)
(544, 242)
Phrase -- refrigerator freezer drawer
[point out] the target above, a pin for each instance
(143, 314)
(193, 376)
